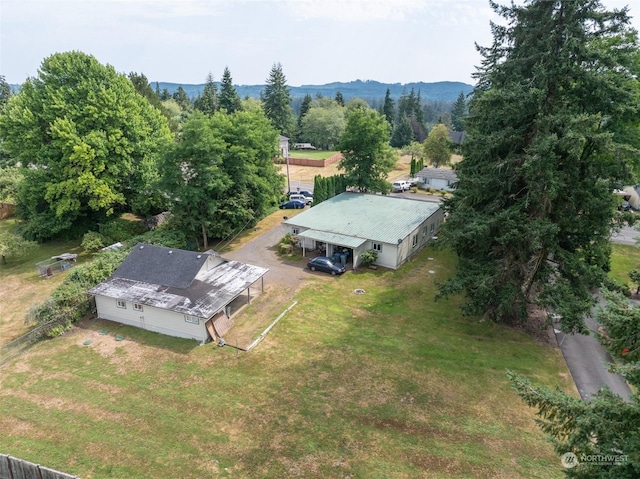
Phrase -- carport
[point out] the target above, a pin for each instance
(331, 240)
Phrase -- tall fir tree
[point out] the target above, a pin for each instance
(276, 99)
(229, 98)
(547, 142)
(208, 102)
(388, 108)
(304, 109)
(458, 111)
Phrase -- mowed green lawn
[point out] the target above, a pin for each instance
(387, 384)
(312, 154)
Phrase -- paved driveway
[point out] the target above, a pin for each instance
(261, 251)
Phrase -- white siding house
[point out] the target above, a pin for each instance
(437, 178)
(175, 292)
(396, 228)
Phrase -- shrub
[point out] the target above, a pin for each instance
(93, 241)
(369, 257)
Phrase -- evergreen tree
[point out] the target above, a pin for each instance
(547, 142)
(458, 111)
(402, 133)
(277, 101)
(606, 425)
(229, 99)
(181, 97)
(208, 102)
(319, 194)
(339, 99)
(304, 109)
(5, 92)
(388, 108)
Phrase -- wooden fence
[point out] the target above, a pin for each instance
(312, 162)
(14, 468)
(6, 210)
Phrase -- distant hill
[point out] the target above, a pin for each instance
(446, 90)
(365, 89)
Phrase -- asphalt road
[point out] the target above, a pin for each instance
(627, 235)
(588, 361)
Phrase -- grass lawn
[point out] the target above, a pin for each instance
(624, 258)
(312, 154)
(387, 384)
(21, 285)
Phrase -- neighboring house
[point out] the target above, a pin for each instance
(284, 146)
(176, 292)
(356, 222)
(632, 195)
(437, 178)
(457, 137)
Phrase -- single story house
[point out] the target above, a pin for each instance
(351, 223)
(176, 292)
(437, 178)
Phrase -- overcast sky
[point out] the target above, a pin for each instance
(316, 41)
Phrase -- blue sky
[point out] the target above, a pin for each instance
(316, 41)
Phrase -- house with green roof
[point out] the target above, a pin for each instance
(396, 228)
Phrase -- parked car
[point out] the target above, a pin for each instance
(322, 263)
(292, 205)
(298, 197)
(308, 196)
(401, 185)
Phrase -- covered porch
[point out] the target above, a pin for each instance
(332, 243)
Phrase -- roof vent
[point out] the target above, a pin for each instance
(141, 247)
(170, 251)
(199, 256)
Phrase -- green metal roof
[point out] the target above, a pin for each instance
(333, 238)
(383, 219)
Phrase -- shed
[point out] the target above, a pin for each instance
(176, 292)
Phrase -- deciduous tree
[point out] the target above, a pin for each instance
(12, 244)
(323, 124)
(87, 143)
(437, 146)
(367, 155)
(221, 173)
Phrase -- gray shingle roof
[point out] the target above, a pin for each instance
(160, 265)
(378, 218)
(437, 174)
(207, 293)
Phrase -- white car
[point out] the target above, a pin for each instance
(401, 185)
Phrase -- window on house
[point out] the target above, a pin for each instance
(376, 247)
(424, 231)
(415, 241)
(295, 231)
(137, 307)
(121, 304)
(191, 319)
(433, 227)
